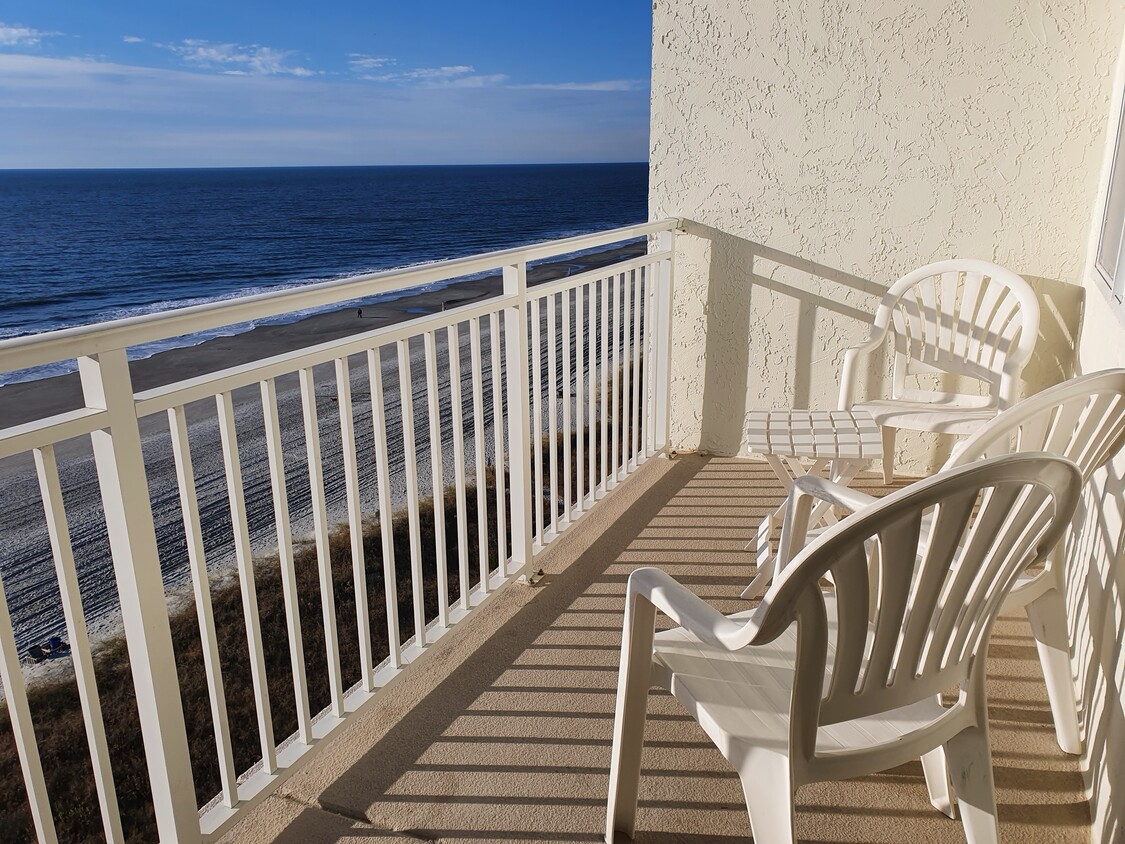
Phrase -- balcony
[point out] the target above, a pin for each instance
(505, 736)
(304, 670)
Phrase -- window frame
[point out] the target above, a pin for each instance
(1115, 280)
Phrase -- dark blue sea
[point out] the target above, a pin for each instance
(84, 246)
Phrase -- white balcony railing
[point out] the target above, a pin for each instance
(558, 390)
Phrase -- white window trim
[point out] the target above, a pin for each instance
(1114, 281)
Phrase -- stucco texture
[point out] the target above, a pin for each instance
(818, 151)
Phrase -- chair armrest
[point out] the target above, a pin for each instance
(849, 366)
(799, 509)
(1009, 383)
(835, 494)
(687, 609)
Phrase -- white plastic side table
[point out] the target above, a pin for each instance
(838, 442)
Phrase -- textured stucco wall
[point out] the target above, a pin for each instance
(820, 150)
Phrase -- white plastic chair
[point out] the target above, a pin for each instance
(1082, 419)
(833, 695)
(966, 318)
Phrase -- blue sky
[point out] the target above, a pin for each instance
(124, 84)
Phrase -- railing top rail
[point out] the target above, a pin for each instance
(52, 346)
(205, 386)
(162, 398)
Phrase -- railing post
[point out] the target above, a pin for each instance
(519, 415)
(660, 242)
(106, 384)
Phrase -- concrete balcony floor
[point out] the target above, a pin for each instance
(504, 733)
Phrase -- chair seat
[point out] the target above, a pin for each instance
(926, 416)
(741, 697)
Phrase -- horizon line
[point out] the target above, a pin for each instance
(310, 166)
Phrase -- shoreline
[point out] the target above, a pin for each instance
(27, 401)
(29, 573)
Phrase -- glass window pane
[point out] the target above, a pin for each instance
(1113, 223)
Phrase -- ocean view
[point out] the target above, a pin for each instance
(147, 241)
(86, 246)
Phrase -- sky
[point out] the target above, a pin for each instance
(196, 84)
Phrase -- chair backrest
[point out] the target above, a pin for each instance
(1082, 419)
(937, 597)
(965, 317)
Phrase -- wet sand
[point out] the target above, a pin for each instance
(30, 400)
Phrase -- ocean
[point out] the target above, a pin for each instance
(86, 246)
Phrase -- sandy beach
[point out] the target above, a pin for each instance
(27, 567)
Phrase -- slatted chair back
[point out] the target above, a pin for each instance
(963, 317)
(937, 597)
(1082, 419)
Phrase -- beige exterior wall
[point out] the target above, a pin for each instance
(820, 150)
(817, 151)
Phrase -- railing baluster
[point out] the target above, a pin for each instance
(635, 437)
(515, 355)
(23, 728)
(320, 535)
(567, 434)
(498, 443)
(647, 365)
(386, 514)
(106, 385)
(615, 378)
(410, 465)
(477, 367)
(201, 586)
(591, 402)
(355, 522)
(459, 462)
(59, 532)
(603, 486)
(537, 419)
(553, 413)
(579, 396)
(663, 241)
(244, 557)
(437, 478)
(276, 457)
(626, 402)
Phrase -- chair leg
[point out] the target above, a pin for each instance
(889, 454)
(970, 765)
(937, 781)
(633, 684)
(764, 559)
(767, 784)
(1047, 615)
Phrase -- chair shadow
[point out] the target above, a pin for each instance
(786, 321)
(513, 743)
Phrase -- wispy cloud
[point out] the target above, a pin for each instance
(237, 59)
(449, 76)
(132, 39)
(607, 85)
(362, 63)
(74, 113)
(12, 35)
(383, 69)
